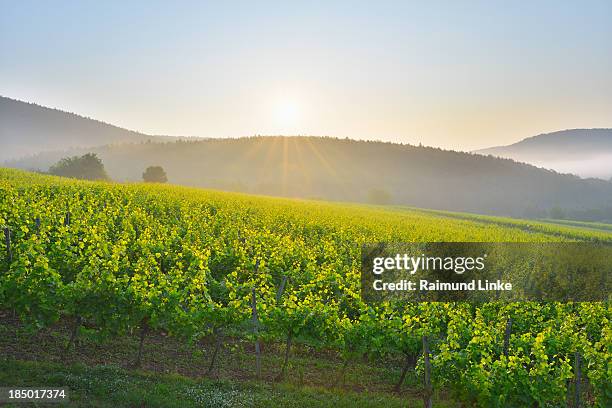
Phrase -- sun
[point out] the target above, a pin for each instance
(287, 113)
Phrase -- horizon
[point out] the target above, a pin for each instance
(391, 72)
(204, 138)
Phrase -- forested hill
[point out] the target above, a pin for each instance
(348, 170)
(27, 128)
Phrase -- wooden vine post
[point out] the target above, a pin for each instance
(78, 319)
(577, 379)
(7, 241)
(427, 380)
(256, 332)
(507, 336)
(279, 295)
(281, 289)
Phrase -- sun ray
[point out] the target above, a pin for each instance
(269, 160)
(304, 171)
(285, 164)
(328, 167)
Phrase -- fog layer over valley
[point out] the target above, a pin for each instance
(584, 152)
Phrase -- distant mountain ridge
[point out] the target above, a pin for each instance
(27, 128)
(585, 152)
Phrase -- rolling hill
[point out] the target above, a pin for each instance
(311, 167)
(27, 128)
(585, 152)
(349, 170)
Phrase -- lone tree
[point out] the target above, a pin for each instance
(154, 174)
(86, 167)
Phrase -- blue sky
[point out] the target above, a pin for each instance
(454, 74)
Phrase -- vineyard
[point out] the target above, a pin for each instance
(135, 258)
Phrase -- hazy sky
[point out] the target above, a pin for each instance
(454, 75)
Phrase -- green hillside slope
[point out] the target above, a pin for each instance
(112, 259)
